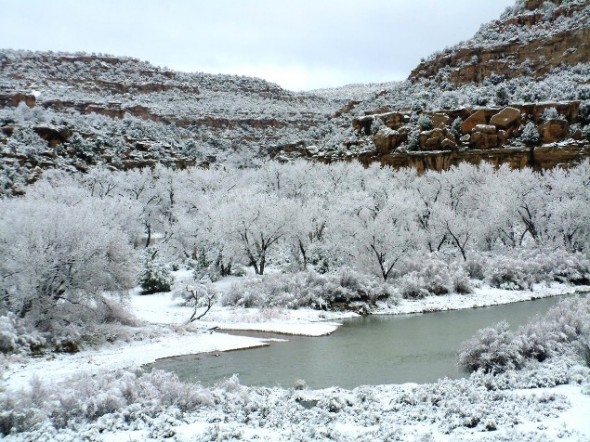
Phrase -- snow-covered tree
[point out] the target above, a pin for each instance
(253, 225)
(58, 260)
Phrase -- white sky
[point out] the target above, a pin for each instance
(299, 44)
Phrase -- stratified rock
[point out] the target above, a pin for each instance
(553, 130)
(386, 140)
(478, 117)
(507, 118)
(440, 120)
(437, 139)
(530, 41)
(484, 136)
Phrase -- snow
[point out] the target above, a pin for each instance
(125, 355)
(577, 417)
(175, 338)
(410, 411)
(481, 297)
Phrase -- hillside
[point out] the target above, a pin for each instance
(79, 110)
(530, 39)
(518, 92)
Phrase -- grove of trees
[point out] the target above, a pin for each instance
(73, 238)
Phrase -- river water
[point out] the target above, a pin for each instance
(365, 350)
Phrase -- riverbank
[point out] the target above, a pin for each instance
(407, 411)
(167, 334)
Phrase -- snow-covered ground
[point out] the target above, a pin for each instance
(559, 413)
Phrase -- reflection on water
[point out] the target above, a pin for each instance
(365, 350)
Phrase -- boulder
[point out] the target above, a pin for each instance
(478, 117)
(502, 137)
(393, 120)
(507, 118)
(553, 130)
(485, 129)
(363, 124)
(432, 139)
(440, 120)
(448, 144)
(386, 140)
(484, 136)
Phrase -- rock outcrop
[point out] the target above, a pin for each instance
(533, 40)
(75, 111)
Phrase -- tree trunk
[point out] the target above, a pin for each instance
(262, 263)
(303, 254)
(148, 240)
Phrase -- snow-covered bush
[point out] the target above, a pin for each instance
(456, 127)
(521, 268)
(551, 113)
(432, 275)
(510, 274)
(530, 134)
(562, 330)
(155, 276)
(492, 349)
(309, 289)
(425, 122)
(16, 335)
(87, 398)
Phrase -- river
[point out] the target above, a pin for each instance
(365, 350)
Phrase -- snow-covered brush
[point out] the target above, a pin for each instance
(198, 296)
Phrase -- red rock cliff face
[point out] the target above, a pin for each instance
(531, 41)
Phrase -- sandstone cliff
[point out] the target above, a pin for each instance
(517, 93)
(532, 38)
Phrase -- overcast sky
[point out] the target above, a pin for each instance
(299, 44)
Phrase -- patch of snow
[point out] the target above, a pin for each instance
(482, 297)
(124, 355)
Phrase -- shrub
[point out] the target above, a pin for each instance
(309, 289)
(17, 336)
(155, 276)
(525, 267)
(492, 349)
(563, 329)
(85, 398)
(425, 122)
(510, 274)
(432, 275)
(530, 134)
(414, 140)
(456, 127)
(551, 114)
